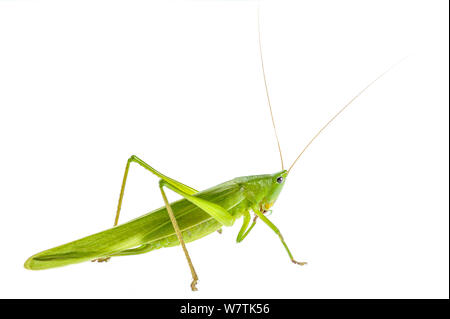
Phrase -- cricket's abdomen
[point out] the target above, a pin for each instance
(196, 232)
(148, 232)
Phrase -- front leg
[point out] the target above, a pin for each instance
(277, 231)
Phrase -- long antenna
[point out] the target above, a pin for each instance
(340, 111)
(267, 91)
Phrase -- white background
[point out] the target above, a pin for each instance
(86, 84)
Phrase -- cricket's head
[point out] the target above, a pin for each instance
(275, 183)
(263, 189)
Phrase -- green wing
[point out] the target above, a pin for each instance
(154, 229)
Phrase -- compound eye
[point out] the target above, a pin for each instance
(280, 180)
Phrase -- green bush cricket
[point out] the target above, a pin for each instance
(197, 214)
